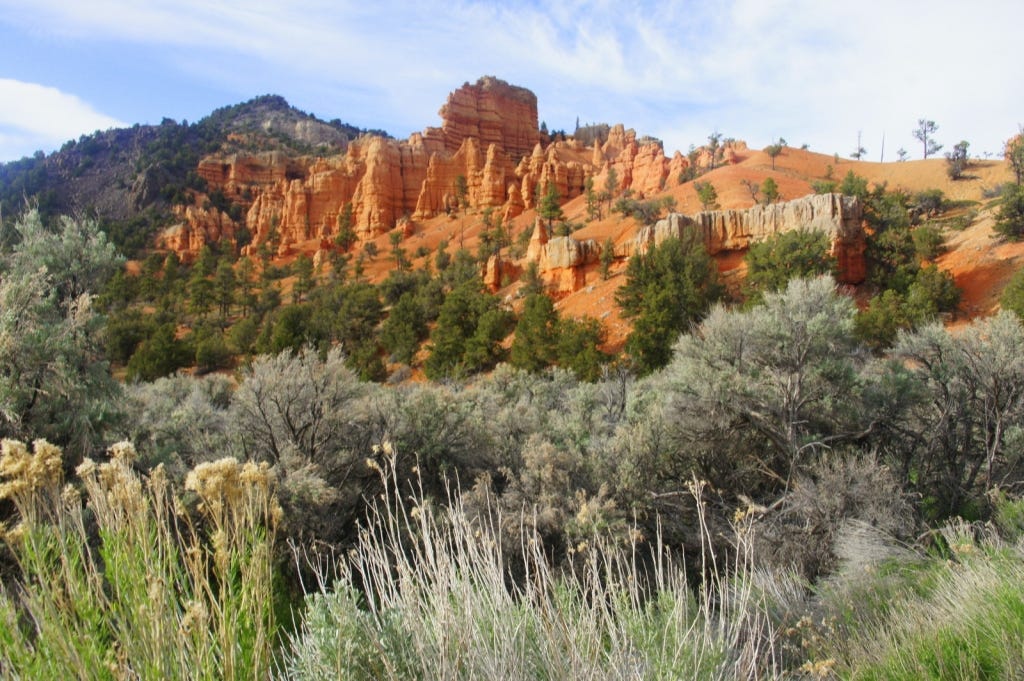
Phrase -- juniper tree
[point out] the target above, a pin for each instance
(924, 133)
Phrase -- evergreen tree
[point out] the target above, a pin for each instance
(607, 258)
(534, 347)
(1010, 216)
(469, 327)
(549, 207)
(201, 292)
(924, 133)
(304, 279)
(405, 328)
(707, 195)
(245, 279)
(772, 263)
(159, 355)
(667, 289)
(774, 149)
(578, 347)
(224, 286)
(593, 207)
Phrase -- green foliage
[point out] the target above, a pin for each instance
(924, 133)
(892, 260)
(770, 190)
(611, 186)
(461, 191)
(932, 292)
(929, 293)
(289, 328)
(469, 327)
(533, 284)
(667, 289)
(1010, 216)
(124, 332)
(346, 236)
(647, 212)
(772, 263)
(159, 355)
(854, 185)
(54, 382)
(1014, 155)
(593, 207)
(823, 186)
(302, 268)
(534, 347)
(225, 284)
(242, 335)
(1013, 295)
(607, 258)
(405, 328)
(957, 161)
(549, 207)
(885, 316)
(578, 348)
(928, 242)
(211, 350)
(707, 195)
(929, 201)
(774, 149)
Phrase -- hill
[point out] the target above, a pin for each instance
(262, 178)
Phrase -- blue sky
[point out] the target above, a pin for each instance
(811, 71)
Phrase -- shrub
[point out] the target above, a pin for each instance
(1010, 217)
(151, 595)
(772, 263)
(457, 617)
(928, 242)
(1013, 295)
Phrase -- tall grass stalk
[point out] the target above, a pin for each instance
(426, 594)
(969, 625)
(127, 586)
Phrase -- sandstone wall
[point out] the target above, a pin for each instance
(488, 136)
(493, 112)
(841, 217)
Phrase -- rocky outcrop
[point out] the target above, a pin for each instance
(561, 260)
(196, 228)
(486, 154)
(838, 216)
(492, 112)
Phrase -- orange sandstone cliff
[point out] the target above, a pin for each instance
(487, 153)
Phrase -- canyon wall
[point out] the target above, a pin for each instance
(562, 261)
(841, 217)
(488, 137)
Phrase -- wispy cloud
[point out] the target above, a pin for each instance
(38, 117)
(811, 71)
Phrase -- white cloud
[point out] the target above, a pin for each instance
(811, 71)
(35, 116)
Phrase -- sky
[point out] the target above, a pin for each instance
(815, 72)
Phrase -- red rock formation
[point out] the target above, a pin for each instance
(726, 230)
(493, 112)
(488, 136)
(197, 228)
(561, 260)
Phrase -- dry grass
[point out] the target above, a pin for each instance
(125, 586)
(426, 594)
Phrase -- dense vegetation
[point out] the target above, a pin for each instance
(754, 490)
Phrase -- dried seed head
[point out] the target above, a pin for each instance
(123, 451)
